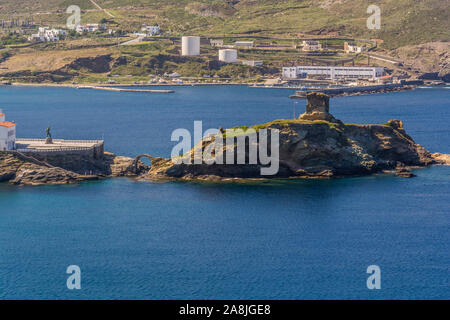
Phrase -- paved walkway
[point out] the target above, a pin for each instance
(58, 144)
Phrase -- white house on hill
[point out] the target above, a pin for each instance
(352, 48)
(151, 30)
(45, 34)
(90, 27)
(7, 133)
(311, 46)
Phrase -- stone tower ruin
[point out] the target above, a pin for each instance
(317, 107)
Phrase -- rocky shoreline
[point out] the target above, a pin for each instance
(316, 145)
(19, 169)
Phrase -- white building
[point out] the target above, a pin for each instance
(151, 30)
(311, 46)
(173, 75)
(252, 63)
(244, 44)
(140, 35)
(90, 27)
(216, 42)
(228, 55)
(45, 34)
(352, 48)
(36, 37)
(7, 134)
(190, 46)
(333, 73)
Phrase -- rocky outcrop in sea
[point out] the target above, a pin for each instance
(316, 145)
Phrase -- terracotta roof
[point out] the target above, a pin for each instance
(7, 124)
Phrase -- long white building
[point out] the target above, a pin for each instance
(7, 134)
(333, 73)
(244, 44)
(90, 27)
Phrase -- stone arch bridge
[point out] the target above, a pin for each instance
(135, 164)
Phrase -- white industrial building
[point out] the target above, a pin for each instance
(228, 55)
(190, 46)
(7, 133)
(333, 73)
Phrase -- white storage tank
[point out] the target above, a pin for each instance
(190, 46)
(228, 55)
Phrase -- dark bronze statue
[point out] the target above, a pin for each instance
(48, 133)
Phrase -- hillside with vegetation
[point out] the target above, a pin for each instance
(409, 28)
(404, 22)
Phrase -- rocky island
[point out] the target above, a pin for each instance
(316, 145)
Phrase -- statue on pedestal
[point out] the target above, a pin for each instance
(48, 139)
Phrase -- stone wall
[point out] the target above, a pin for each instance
(82, 161)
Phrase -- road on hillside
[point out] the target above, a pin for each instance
(133, 41)
(100, 8)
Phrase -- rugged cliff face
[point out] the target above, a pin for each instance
(432, 58)
(315, 145)
(23, 170)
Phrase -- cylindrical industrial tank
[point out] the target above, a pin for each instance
(190, 46)
(228, 55)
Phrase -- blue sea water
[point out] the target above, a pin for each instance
(278, 240)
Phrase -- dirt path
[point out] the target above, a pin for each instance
(100, 8)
